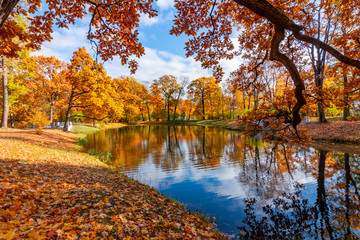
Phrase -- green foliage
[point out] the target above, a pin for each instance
(82, 141)
(333, 111)
(103, 156)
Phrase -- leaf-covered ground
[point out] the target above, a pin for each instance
(339, 131)
(50, 190)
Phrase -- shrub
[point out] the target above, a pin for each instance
(39, 120)
(353, 118)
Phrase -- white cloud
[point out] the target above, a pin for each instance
(165, 4)
(158, 63)
(152, 66)
(64, 43)
(146, 21)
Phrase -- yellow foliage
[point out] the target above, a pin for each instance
(353, 118)
(40, 120)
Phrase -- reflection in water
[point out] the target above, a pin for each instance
(335, 214)
(243, 182)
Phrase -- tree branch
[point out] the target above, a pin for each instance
(275, 54)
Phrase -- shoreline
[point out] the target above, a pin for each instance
(50, 189)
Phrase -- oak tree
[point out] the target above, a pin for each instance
(211, 25)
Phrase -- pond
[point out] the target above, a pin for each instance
(251, 188)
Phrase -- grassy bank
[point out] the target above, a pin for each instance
(86, 129)
(51, 190)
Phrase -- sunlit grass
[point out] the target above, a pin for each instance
(84, 129)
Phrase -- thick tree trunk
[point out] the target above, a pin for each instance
(5, 113)
(68, 112)
(6, 6)
(281, 20)
(321, 112)
(51, 112)
(319, 82)
(276, 55)
(67, 119)
(318, 64)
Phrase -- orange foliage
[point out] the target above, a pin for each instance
(48, 193)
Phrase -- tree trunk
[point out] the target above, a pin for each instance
(168, 110)
(67, 120)
(68, 112)
(5, 113)
(346, 113)
(203, 105)
(6, 6)
(175, 112)
(244, 100)
(148, 110)
(319, 82)
(12, 120)
(51, 112)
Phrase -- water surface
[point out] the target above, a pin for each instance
(218, 172)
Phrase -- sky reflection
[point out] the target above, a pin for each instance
(213, 170)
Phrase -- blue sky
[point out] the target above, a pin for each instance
(165, 53)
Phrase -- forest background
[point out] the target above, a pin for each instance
(44, 89)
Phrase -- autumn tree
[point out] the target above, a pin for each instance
(186, 106)
(156, 100)
(15, 36)
(48, 82)
(179, 93)
(211, 25)
(168, 87)
(201, 91)
(133, 95)
(89, 88)
(106, 19)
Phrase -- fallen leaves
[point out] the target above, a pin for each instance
(339, 131)
(53, 193)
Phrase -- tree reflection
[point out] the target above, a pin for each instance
(334, 215)
(268, 169)
(268, 172)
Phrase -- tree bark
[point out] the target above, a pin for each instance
(6, 6)
(51, 112)
(275, 54)
(346, 112)
(281, 20)
(68, 112)
(319, 82)
(5, 113)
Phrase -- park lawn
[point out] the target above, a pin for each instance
(49, 189)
